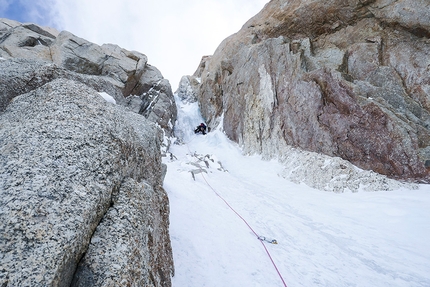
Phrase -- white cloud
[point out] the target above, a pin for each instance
(174, 34)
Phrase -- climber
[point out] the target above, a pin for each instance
(200, 129)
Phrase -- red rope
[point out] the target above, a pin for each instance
(258, 237)
(243, 219)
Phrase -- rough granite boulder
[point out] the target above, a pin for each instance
(347, 79)
(81, 192)
(128, 73)
(19, 76)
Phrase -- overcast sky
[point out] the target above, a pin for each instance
(174, 34)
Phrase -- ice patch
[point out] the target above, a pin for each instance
(107, 97)
(189, 113)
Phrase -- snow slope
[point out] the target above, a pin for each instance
(324, 238)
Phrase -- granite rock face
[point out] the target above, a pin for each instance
(348, 79)
(80, 184)
(19, 76)
(128, 74)
(81, 197)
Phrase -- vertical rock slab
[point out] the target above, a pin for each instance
(125, 248)
(346, 79)
(70, 161)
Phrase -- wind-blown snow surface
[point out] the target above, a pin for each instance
(324, 238)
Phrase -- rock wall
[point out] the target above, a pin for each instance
(187, 90)
(348, 79)
(81, 197)
(126, 75)
(80, 176)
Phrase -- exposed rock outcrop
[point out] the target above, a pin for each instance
(81, 194)
(77, 169)
(126, 74)
(19, 76)
(344, 78)
(188, 89)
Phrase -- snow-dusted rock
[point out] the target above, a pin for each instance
(157, 103)
(347, 79)
(188, 89)
(335, 174)
(80, 176)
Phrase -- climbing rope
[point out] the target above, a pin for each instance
(262, 239)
